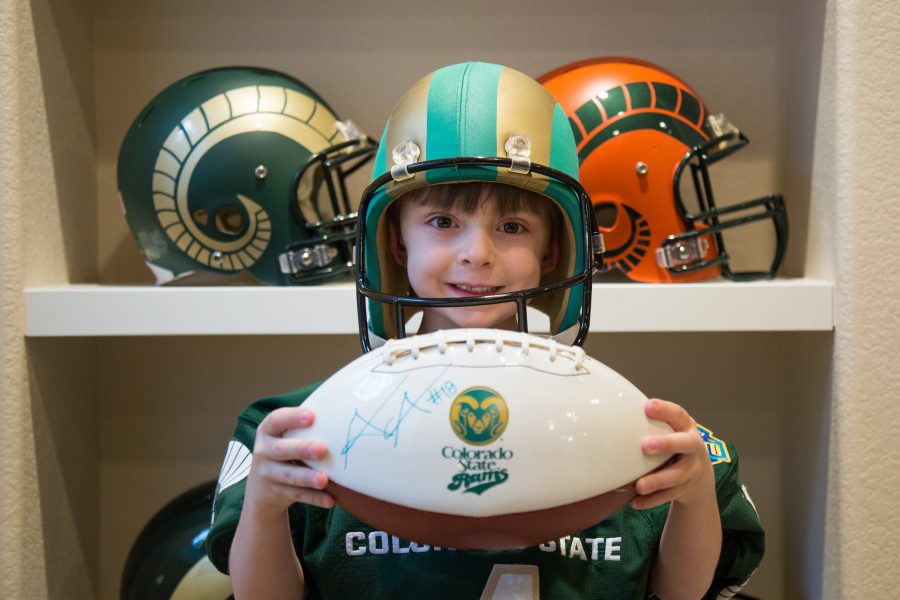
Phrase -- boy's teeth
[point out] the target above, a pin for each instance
(476, 290)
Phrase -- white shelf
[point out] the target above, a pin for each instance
(102, 310)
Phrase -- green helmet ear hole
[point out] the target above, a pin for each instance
(229, 219)
(200, 216)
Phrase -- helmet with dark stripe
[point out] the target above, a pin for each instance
(645, 144)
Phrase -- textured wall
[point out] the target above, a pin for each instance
(857, 229)
(21, 551)
(48, 430)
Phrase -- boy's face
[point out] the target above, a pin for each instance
(450, 254)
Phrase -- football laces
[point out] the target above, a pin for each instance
(525, 344)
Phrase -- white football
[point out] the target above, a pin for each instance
(480, 438)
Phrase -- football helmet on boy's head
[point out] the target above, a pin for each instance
(639, 129)
(476, 122)
(241, 169)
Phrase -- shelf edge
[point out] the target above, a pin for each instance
(91, 310)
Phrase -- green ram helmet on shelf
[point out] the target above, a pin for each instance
(242, 170)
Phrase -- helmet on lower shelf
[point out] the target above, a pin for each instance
(168, 559)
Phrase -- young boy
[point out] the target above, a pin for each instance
(468, 242)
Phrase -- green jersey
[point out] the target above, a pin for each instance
(346, 558)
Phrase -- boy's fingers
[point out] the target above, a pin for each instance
(671, 413)
(669, 477)
(681, 442)
(305, 495)
(288, 449)
(296, 476)
(283, 419)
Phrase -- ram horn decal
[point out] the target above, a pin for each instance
(238, 111)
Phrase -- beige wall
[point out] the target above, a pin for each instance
(48, 430)
(862, 175)
(16, 436)
(99, 433)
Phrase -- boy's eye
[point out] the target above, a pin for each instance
(511, 227)
(442, 222)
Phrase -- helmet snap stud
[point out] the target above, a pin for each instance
(641, 168)
(261, 171)
(406, 153)
(518, 149)
(518, 145)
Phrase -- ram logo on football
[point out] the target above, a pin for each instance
(480, 438)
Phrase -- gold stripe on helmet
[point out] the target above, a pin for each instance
(533, 119)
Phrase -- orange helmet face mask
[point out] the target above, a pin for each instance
(640, 131)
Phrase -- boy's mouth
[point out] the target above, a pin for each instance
(475, 290)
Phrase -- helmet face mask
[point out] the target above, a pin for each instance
(646, 144)
(475, 122)
(209, 177)
(688, 251)
(323, 202)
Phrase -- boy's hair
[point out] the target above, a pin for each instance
(468, 197)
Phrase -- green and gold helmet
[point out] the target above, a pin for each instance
(237, 170)
(168, 560)
(484, 123)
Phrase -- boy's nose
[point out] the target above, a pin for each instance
(476, 248)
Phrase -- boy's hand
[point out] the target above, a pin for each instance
(688, 477)
(276, 478)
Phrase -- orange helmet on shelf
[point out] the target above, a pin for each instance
(639, 129)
